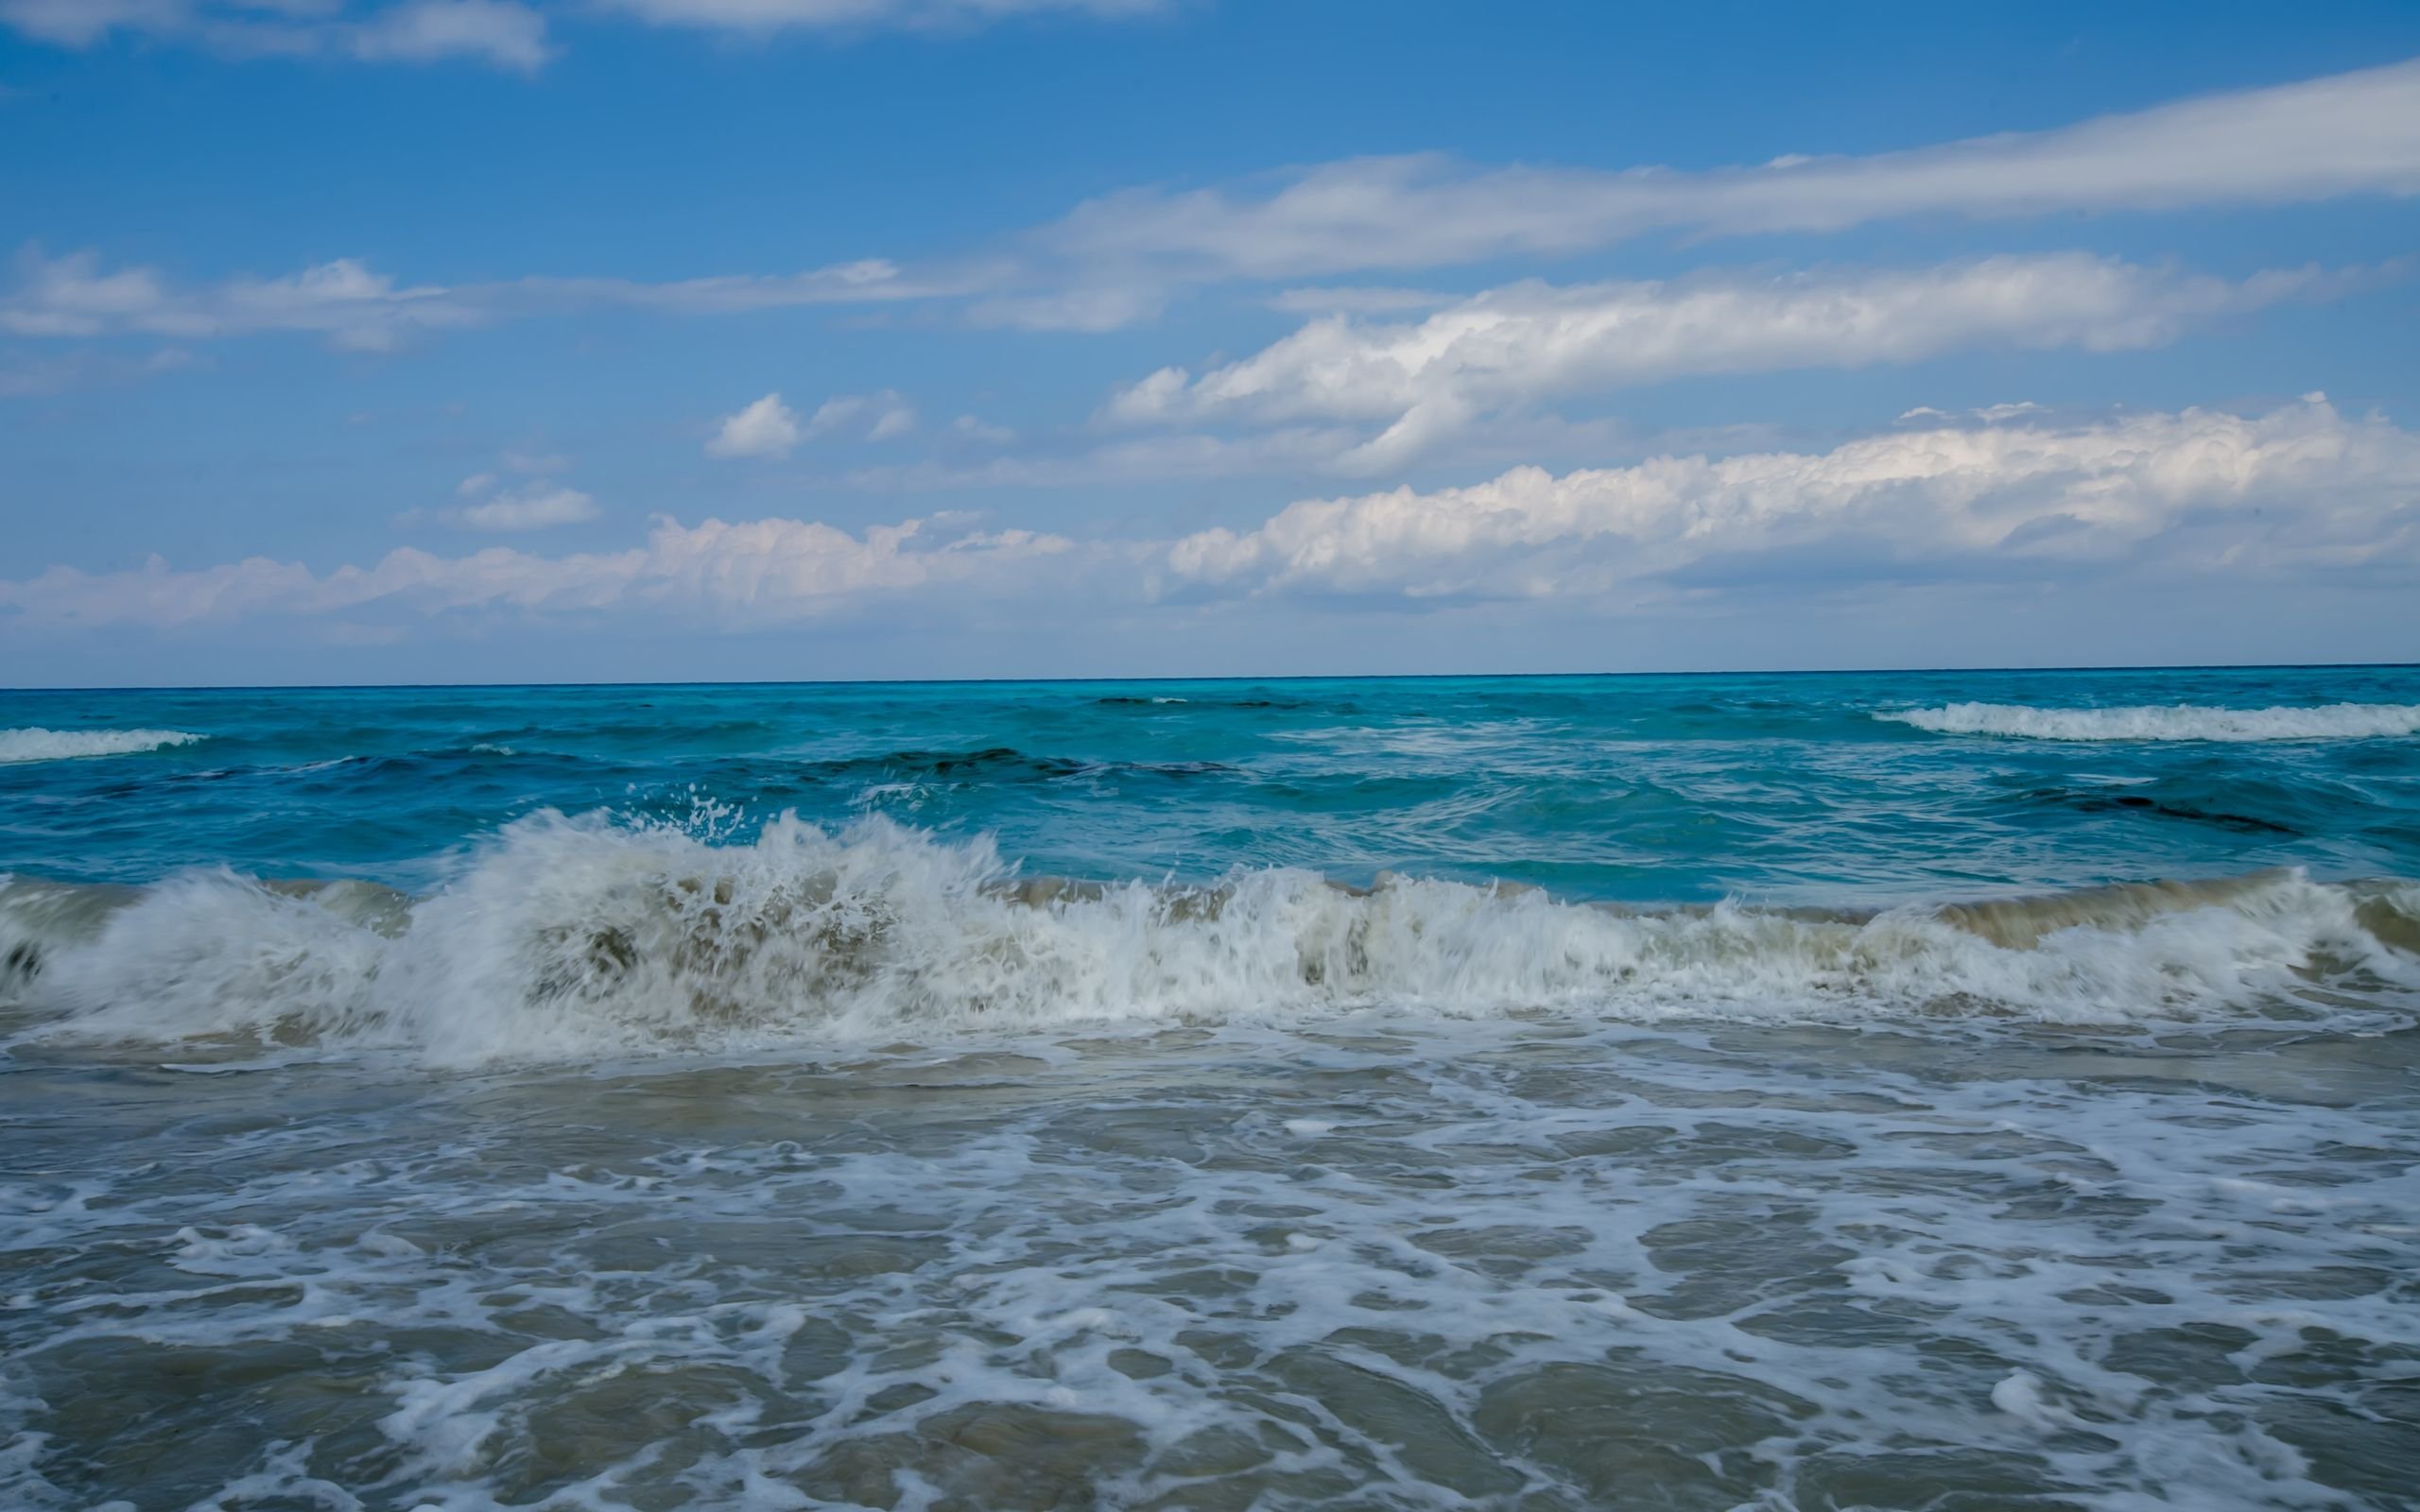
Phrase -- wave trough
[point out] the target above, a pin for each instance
(39, 745)
(2157, 722)
(570, 938)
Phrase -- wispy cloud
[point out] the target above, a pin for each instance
(1115, 262)
(356, 307)
(751, 573)
(535, 506)
(769, 428)
(763, 17)
(23, 376)
(2345, 134)
(877, 417)
(502, 33)
(1423, 382)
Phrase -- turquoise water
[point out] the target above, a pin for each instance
(1957, 1091)
(1673, 789)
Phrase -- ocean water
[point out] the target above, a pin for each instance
(1953, 1091)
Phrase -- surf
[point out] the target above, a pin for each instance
(2170, 722)
(566, 937)
(36, 744)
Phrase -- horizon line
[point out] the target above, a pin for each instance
(1291, 677)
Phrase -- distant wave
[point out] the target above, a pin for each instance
(2335, 721)
(39, 745)
(580, 938)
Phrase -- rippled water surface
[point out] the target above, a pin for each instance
(1951, 1090)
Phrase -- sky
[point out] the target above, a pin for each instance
(366, 341)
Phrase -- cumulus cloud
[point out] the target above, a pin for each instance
(751, 573)
(2301, 494)
(2299, 490)
(764, 428)
(355, 307)
(2292, 144)
(761, 17)
(503, 33)
(1423, 382)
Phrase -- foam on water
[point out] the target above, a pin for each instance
(587, 937)
(1545, 1265)
(2337, 721)
(39, 745)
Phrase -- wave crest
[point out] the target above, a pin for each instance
(36, 744)
(2335, 721)
(576, 938)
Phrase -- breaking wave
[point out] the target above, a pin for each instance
(588, 937)
(39, 745)
(2335, 721)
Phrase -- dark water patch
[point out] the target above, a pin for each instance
(2241, 823)
(2213, 799)
(996, 764)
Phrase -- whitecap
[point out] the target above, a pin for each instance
(2335, 721)
(39, 745)
(586, 938)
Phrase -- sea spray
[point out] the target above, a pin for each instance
(571, 937)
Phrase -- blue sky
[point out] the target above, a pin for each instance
(433, 340)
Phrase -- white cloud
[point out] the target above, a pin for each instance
(503, 33)
(84, 23)
(2300, 490)
(1424, 382)
(766, 428)
(1113, 262)
(2299, 494)
(877, 417)
(751, 573)
(531, 506)
(358, 308)
(761, 17)
(769, 428)
(2292, 144)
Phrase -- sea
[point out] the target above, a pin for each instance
(1952, 1090)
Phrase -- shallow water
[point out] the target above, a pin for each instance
(1528, 1263)
(426, 1147)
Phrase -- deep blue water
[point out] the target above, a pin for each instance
(1680, 789)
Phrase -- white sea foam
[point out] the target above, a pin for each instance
(2335, 721)
(1590, 1266)
(585, 936)
(40, 745)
